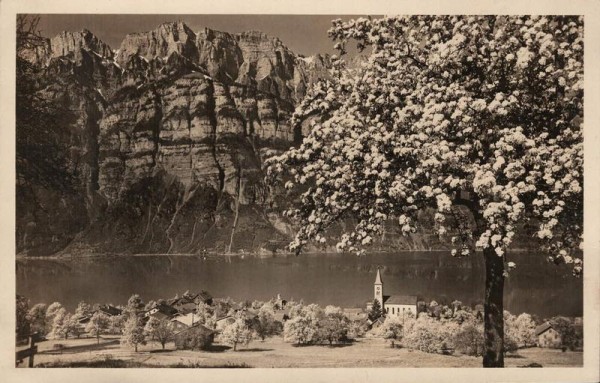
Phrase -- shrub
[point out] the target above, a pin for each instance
(469, 339)
(195, 338)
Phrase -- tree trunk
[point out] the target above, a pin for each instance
(135, 347)
(98, 338)
(234, 345)
(163, 345)
(493, 355)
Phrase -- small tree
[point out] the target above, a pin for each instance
(116, 324)
(133, 333)
(525, 332)
(134, 306)
(264, 324)
(392, 329)
(469, 339)
(376, 311)
(300, 330)
(160, 330)
(568, 335)
(206, 315)
(334, 326)
(237, 332)
(83, 310)
(51, 312)
(303, 327)
(429, 334)
(98, 324)
(195, 338)
(63, 325)
(37, 318)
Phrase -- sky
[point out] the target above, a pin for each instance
(303, 34)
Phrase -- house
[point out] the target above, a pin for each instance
(280, 303)
(547, 336)
(110, 310)
(282, 316)
(188, 302)
(184, 321)
(398, 305)
(376, 323)
(355, 314)
(224, 321)
(161, 311)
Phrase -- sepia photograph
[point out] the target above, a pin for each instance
(372, 190)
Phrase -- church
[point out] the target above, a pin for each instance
(397, 305)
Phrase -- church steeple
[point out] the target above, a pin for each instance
(378, 289)
(378, 278)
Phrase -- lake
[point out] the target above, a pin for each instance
(535, 286)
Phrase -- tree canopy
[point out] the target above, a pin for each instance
(487, 105)
(483, 112)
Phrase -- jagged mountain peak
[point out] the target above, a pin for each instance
(160, 42)
(70, 42)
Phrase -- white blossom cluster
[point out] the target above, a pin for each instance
(487, 105)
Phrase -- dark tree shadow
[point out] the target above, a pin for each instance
(255, 349)
(216, 348)
(161, 351)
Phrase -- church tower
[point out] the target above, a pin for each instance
(378, 288)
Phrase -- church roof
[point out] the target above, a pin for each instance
(400, 299)
(378, 278)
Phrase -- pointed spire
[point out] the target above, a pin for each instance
(378, 278)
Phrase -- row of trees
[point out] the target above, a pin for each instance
(240, 327)
(54, 321)
(462, 330)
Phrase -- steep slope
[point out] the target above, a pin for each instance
(168, 142)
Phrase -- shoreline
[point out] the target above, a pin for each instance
(213, 255)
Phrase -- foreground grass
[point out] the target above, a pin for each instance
(274, 352)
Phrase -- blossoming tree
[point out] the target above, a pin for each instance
(483, 112)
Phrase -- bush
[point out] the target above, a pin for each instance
(429, 334)
(193, 339)
(469, 339)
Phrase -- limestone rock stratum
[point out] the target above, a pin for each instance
(167, 140)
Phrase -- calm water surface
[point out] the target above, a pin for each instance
(343, 280)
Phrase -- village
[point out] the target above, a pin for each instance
(198, 330)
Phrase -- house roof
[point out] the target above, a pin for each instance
(354, 311)
(110, 310)
(542, 328)
(166, 309)
(187, 319)
(159, 315)
(400, 299)
(204, 296)
(198, 328)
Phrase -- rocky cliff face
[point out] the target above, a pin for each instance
(168, 141)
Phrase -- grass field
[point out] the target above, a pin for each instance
(274, 352)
